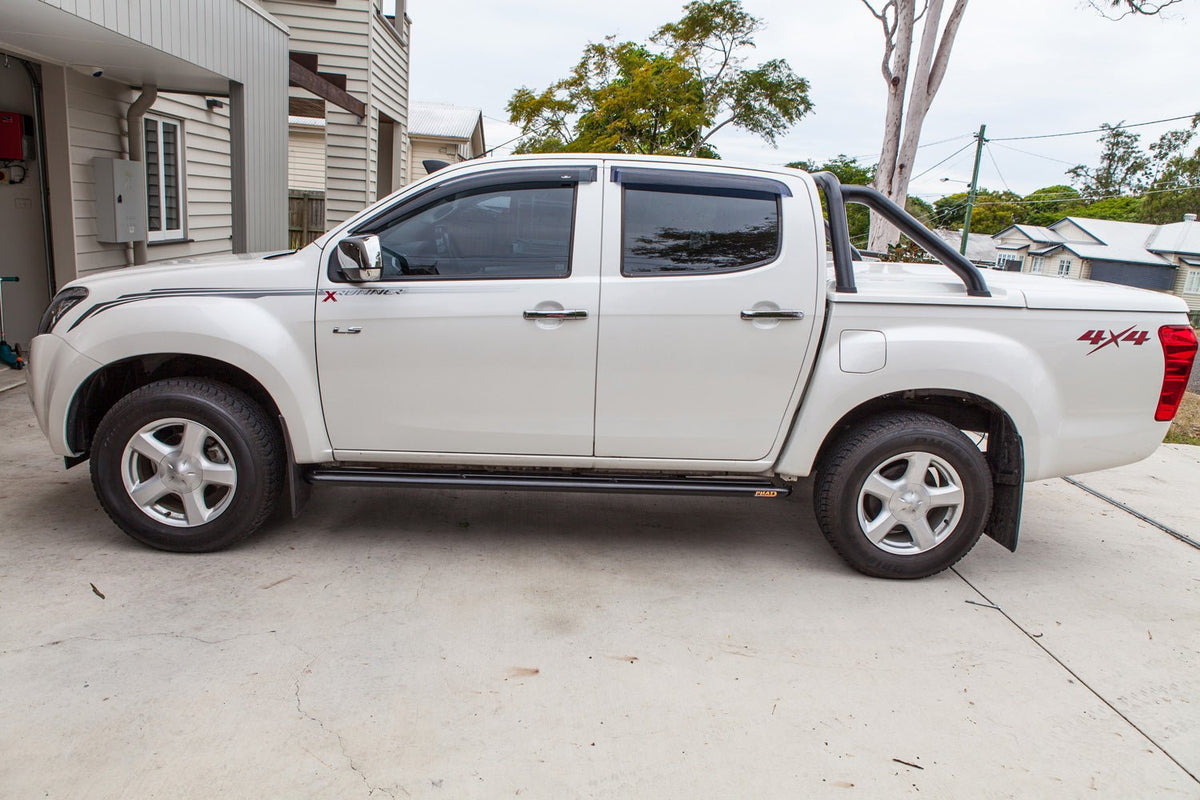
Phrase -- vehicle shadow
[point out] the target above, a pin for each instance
(423, 519)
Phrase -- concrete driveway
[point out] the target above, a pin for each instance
(438, 644)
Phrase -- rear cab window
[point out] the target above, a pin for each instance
(683, 223)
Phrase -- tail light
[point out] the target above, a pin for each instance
(1179, 349)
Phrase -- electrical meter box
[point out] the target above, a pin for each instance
(12, 136)
(120, 200)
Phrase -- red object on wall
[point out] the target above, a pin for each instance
(12, 132)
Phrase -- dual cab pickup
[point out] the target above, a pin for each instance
(605, 323)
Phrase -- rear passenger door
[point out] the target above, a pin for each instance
(708, 287)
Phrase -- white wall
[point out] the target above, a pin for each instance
(306, 159)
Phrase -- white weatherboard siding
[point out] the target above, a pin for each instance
(306, 159)
(236, 157)
(351, 38)
(389, 87)
(208, 198)
(437, 149)
(1181, 279)
(96, 124)
(173, 45)
(338, 33)
(96, 115)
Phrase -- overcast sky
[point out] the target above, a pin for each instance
(1023, 67)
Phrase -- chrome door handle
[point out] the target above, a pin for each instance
(347, 330)
(564, 314)
(772, 314)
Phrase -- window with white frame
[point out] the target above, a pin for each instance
(1191, 284)
(1039, 263)
(164, 178)
(1064, 268)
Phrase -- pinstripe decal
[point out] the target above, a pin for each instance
(154, 294)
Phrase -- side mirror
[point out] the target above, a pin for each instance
(360, 258)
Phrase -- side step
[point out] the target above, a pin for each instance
(752, 487)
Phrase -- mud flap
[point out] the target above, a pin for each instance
(1006, 458)
(298, 489)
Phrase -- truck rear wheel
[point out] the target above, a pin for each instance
(902, 495)
(187, 464)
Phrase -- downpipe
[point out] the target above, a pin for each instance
(137, 148)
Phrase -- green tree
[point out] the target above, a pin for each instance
(1176, 183)
(1049, 204)
(1157, 185)
(992, 212)
(1121, 209)
(668, 95)
(1124, 167)
(922, 210)
(849, 171)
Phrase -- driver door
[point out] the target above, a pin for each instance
(481, 336)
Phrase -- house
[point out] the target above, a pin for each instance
(442, 132)
(1164, 258)
(135, 131)
(347, 108)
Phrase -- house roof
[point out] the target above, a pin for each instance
(1034, 233)
(980, 246)
(1178, 237)
(1118, 241)
(444, 121)
(1110, 240)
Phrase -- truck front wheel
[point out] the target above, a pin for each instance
(902, 495)
(187, 464)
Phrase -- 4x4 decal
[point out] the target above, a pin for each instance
(1101, 338)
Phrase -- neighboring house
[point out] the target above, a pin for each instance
(442, 132)
(981, 248)
(348, 108)
(1164, 258)
(190, 88)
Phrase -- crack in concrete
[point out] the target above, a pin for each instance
(371, 789)
(1037, 641)
(420, 588)
(152, 635)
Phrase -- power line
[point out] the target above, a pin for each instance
(943, 161)
(921, 146)
(1093, 130)
(1007, 188)
(1088, 200)
(1030, 153)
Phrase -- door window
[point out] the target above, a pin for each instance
(506, 232)
(688, 230)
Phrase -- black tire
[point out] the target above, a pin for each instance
(238, 440)
(889, 450)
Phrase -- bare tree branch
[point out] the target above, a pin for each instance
(1130, 8)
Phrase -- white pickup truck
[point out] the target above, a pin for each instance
(605, 323)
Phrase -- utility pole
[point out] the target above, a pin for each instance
(974, 185)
